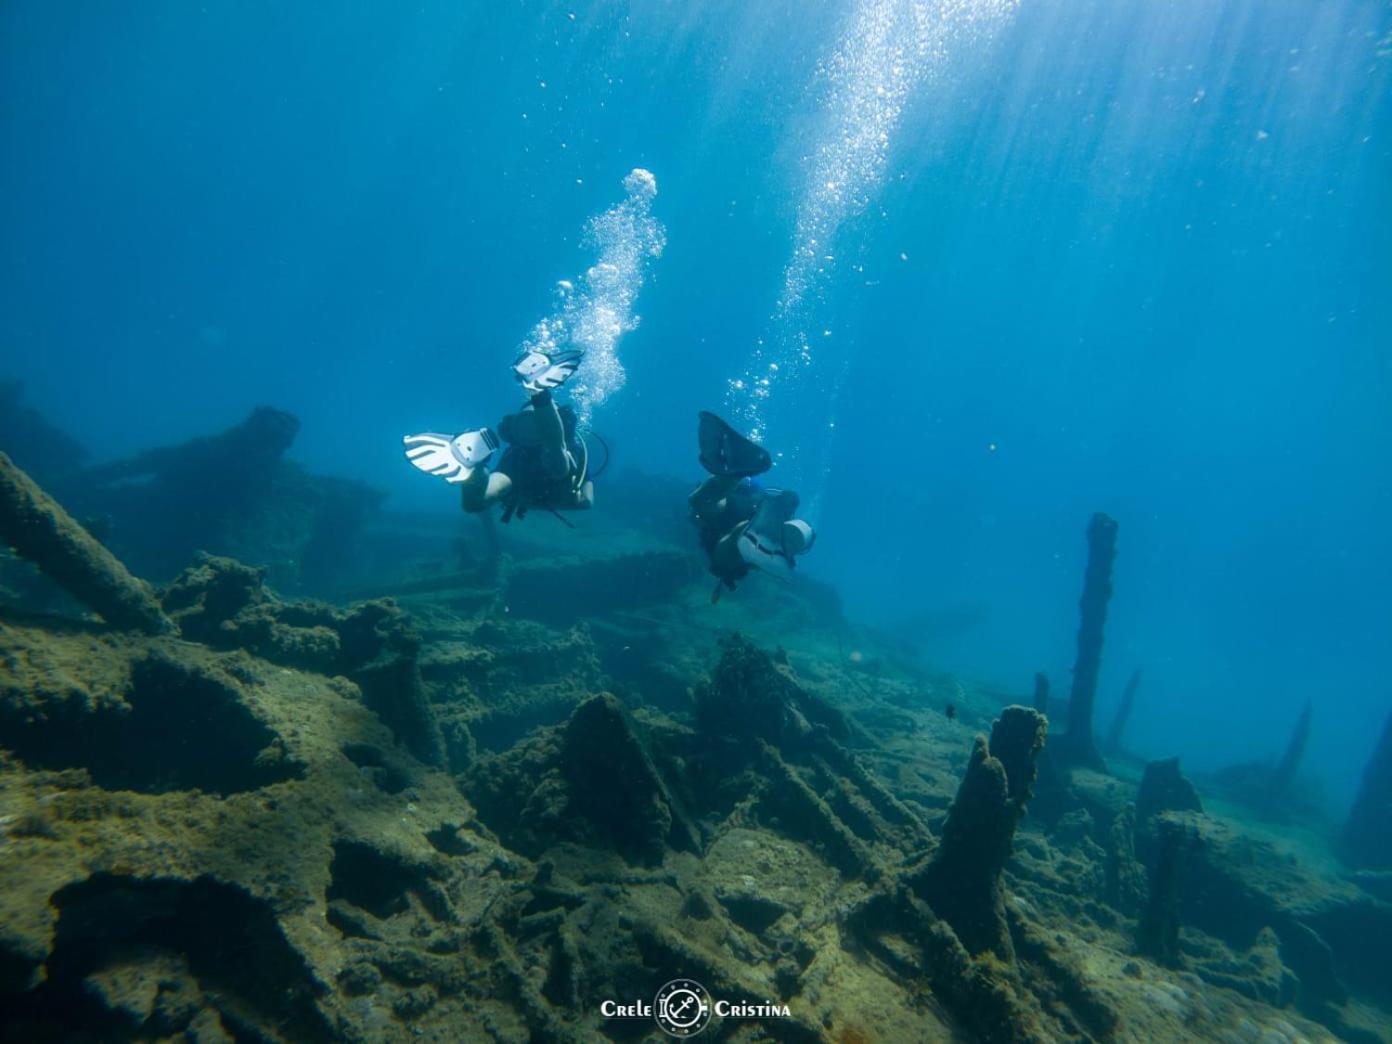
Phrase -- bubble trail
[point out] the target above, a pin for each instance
(888, 50)
(596, 310)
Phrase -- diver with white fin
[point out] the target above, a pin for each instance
(546, 462)
(741, 524)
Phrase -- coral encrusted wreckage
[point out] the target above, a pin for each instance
(535, 789)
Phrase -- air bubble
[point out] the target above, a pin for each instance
(887, 51)
(593, 313)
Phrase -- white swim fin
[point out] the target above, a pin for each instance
(539, 371)
(452, 458)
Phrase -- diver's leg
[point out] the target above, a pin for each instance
(705, 499)
(555, 458)
(726, 561)
(483, 488)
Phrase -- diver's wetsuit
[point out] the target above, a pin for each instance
(741, 524)
(546, 463)
(543, 466)
(727, 508)
(721, 506)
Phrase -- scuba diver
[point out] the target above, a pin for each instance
(546, 462)
(741, 524)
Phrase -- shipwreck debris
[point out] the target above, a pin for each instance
(226, 465)
(592, 780)
(961, 881)
(1266, 786)
(614, 783)
(947, 921)
(1290, 761)
(1163, 789)
(1157, 932)
(232, 493)
(751, 698)
(762, 830)
(226, 605)
(43, 450)
(1077, 745)
(560, 592)
(1123, 714)
(1124, 880)
(38, 528)
(1041, 693)
(1367, 837)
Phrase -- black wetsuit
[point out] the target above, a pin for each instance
(718, 528)
(525, 463)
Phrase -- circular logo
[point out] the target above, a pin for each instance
(682, 1008)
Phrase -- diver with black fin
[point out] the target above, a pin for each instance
(741, 524)
(546, 462)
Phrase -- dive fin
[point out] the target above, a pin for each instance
(541, 371)
(450, 457)
(724, 451)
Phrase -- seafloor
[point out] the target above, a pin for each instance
(548, 773)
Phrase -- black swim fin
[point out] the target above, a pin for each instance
(724, 451)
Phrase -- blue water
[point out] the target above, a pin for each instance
(1131, 258)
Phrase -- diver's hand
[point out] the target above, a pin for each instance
(452, 459)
